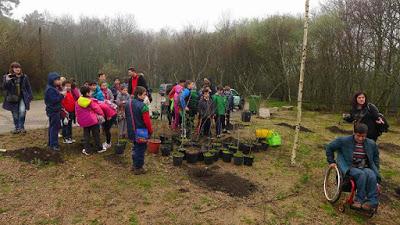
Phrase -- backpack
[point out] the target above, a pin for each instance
(382, 128)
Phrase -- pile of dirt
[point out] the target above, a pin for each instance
(337, 130)
(389, 147)
(226, 182)
(303, 129)
(36, 155)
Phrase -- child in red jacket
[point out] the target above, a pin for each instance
(67, 113)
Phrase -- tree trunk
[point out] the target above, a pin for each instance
(301, 83)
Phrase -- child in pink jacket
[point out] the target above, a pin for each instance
(89, 115)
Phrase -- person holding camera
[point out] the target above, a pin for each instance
(18, 96)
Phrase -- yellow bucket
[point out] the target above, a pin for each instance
(263, 133)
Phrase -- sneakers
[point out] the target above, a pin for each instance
(85, 152)
(15, 131)
(56, 149)
(22, 131)
(368, 207)
(106, 146)
(102, 150)
(219, 136)
(356, 205)
(139, 171)
(67, 141)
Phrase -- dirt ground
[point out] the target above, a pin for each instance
(100, 189)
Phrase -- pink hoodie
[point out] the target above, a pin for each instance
(108, 110)
(87, 110)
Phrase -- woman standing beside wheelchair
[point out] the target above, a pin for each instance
(367, 113)
(18, 96)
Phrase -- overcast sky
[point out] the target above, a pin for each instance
(156, 14)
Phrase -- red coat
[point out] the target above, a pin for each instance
(68, 102)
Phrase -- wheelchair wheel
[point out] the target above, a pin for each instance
(332, 184)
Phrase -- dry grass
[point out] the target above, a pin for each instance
(98, 190)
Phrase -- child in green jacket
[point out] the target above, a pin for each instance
(220, 109)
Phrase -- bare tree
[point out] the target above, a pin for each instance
(301, 82)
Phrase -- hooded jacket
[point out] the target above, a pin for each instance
(52, 96)
(98, 94)
(108, 110)
(87, 110)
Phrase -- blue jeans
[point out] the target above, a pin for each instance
(19, 116)
(54, 127)
(366, 182)
(138, 151)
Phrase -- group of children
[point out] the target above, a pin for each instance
(186, 103)
(97, 105)
(94, 105)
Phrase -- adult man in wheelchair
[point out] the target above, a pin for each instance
(358, 157)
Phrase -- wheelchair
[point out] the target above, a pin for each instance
(334, 186)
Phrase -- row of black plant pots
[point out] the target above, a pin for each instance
(211, 156)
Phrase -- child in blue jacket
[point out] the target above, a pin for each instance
(52, 99)
(184, 100)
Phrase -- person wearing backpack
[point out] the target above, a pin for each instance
(367, 113)
(18, 96)
(139, 128)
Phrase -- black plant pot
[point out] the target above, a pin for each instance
(166, 150)
(215, 155)
(257, 147)
(200, 156)
(191, 157)
(208, 160)
(177, 160)
(227, 157)
(233, 149)
(119, 148)
(183, 151)
(245, 148)
(248, 160)
(264, 146)
(238, 161)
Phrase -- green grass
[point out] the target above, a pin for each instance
(276, 103)
(133, 220)
(388, 174)
(48, 221)
(328, 208)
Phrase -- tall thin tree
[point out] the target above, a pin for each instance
(301, 84)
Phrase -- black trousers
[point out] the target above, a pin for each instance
(95, 130)
(107, 125)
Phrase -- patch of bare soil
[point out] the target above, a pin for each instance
(389, 147)
(303, 129)
(338, 130)
(117, 160)
(226, 182)
(36, 155)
